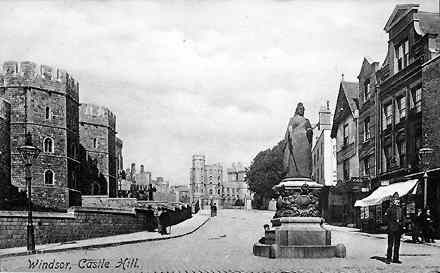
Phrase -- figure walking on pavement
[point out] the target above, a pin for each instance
(417, 227)
(393, 216)
(428, 227)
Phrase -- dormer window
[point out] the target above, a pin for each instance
(402, 55)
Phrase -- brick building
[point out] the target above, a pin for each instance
(5, 145)
(98, 139)
(368, 119)
(44, 103)
(408, 98)
(405, 110)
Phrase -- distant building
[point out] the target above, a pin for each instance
(182, 193)
(118, 156)
(44, 103)
(235, 190)
(143, 177)
(197, 177)
(324, 150)
(5, 145)
(98, 138)
(205, 181)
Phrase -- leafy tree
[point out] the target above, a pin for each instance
(265, 172)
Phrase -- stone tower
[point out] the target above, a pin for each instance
(98, 138)
(44, 103)
(197, 177)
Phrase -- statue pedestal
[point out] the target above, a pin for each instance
(297, 236)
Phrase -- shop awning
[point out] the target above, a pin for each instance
(385, 192)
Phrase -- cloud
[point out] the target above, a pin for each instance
(214, 77)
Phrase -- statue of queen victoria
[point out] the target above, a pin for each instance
(297, 160)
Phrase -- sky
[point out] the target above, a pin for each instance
(218, 77)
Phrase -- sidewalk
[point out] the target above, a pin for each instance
(184, 228)
(405, 238)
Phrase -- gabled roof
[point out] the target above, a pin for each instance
(399, 12)
(347, 103)
(351, 90)
(366, 66)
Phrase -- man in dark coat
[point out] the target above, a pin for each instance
(393, 216)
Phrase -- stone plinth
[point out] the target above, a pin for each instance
(300, 231)
(297, 230)
(297, 237)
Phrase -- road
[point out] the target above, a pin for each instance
(224, 244)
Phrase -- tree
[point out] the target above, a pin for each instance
(265, 172)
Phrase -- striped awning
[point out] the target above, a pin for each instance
(385, 192)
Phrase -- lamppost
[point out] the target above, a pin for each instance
(29, 153)
(425, 154)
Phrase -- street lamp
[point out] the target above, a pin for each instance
(425, 154)
(29, 153)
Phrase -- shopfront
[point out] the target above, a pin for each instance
(372, 208)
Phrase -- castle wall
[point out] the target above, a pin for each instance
(98, 137)
(5, 146)
(44, 102)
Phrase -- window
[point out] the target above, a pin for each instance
(401, 108)
(95, 143)
(48, 177)
(346, 169)
(366, 89)
(47, 113)
(367, 166)
(388, 152)
(345, 135)
(387, 116)
(402, 55)
(367, 133)
(210, 191)
(401, 149)
(48, 145)
(416, 95)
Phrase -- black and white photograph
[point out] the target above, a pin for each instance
(190, 136)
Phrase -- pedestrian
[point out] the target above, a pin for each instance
(417, 223)
(428, 227)
(393, 216)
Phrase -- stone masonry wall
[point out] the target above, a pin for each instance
(97, 122)
(5, 146)
(76, 224)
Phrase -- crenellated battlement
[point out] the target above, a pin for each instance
(97, 114)
(13, 74)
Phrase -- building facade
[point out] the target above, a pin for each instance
(5, 145)
(324, 150)
(345, 130)
(44, 103)
(206, 181)
(408, 100)
(98, 138)
(235, 190)
(368, 120)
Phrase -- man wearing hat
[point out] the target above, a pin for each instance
(393, 216)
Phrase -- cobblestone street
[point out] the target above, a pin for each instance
(224, 244)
